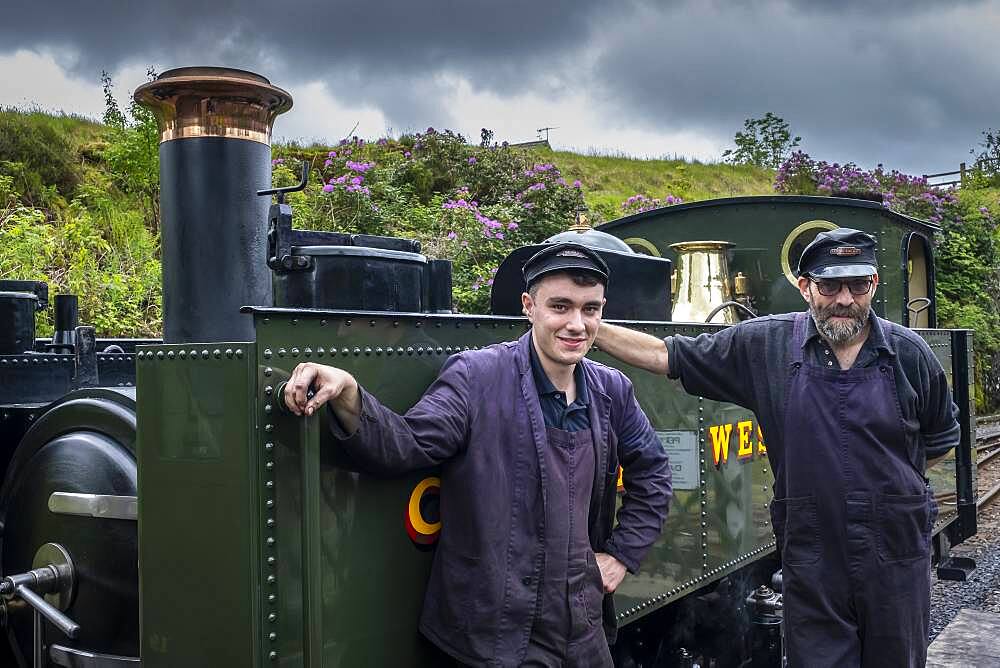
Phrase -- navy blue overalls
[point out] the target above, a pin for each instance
(852, 517)
(568, 629)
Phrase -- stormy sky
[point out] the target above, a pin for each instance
(909, 83)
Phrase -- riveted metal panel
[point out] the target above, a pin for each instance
(197, 495)
(722, 523)
(372, 574)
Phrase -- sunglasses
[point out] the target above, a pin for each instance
(830, 288)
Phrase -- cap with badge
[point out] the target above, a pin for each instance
(839, 253)
(565, 257)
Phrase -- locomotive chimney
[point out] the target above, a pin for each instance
(215, 154)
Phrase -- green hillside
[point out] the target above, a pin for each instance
(609, 181)
(79, 209)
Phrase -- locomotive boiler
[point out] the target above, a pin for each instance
(159, 507)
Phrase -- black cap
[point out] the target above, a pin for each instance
(565, 257)
(838, 253)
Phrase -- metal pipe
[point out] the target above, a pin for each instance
(70, 628)
(38, 640)
(215, 154)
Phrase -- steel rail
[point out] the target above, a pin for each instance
(988, 496)
(987, 458)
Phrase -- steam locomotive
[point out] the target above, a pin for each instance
(159, 508)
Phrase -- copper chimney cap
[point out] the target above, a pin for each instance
(213, 102)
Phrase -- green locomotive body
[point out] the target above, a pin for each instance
(338, 559)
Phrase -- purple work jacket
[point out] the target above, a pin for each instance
(482, 423)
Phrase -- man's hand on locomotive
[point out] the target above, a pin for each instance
(340, 389)
(329, 384)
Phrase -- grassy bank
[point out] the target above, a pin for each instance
(609, 181)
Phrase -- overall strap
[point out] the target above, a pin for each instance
(798, 338)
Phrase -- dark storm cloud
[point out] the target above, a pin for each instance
(908, 82)
(911, 89)
(387, 54)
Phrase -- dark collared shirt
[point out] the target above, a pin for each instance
(748, 364)
(557, 414)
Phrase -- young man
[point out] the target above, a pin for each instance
(530, 436)
(851, 407)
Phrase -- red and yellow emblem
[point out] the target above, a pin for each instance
(424, 530)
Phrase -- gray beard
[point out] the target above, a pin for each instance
(840, 333)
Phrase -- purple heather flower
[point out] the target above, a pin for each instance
(327, 163)
(328, 188)
(472, 160)
(430, 131)
(499, 235)
(511, 226)
(406, 154)
(577, 184)
(357, 181)
(382, 141)
(331, 154)
(359, 166)
(452, 235)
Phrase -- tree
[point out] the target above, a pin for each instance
(133, 154)
(486, 138)
(764, 142)
(988, 159)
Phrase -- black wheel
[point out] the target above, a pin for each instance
(82, 444)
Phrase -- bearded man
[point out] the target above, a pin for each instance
(851, 406)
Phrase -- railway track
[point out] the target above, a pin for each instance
(987, 451)
(987, 462)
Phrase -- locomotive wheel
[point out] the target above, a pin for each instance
(84, 444)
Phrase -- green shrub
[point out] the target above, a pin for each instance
(39, 156)
(132, 153)
(469, 204)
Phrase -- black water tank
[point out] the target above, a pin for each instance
(638, 285)
(17, 322)
(354, 278)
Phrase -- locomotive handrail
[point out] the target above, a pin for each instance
(312, 590)
(733, 304)
(281, 192)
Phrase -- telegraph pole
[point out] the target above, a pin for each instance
(546, 131)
